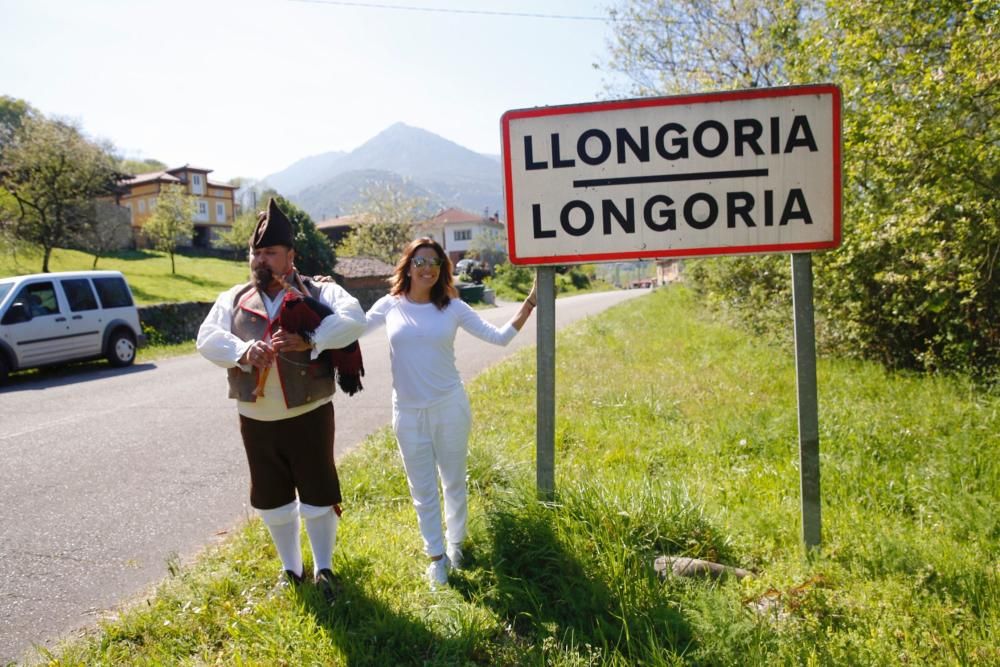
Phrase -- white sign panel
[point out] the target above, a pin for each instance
(755, 171)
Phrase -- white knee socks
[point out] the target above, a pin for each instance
(283, 524)
(321, 525)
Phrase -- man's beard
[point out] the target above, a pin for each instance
(262, 277)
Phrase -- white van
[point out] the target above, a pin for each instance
(52, 318)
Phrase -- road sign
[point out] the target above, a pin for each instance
(752, 171)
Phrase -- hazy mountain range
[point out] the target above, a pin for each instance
(419, 162)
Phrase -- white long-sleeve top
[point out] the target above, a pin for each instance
(422, 345)
(218, 344)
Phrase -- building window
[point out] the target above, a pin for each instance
(463, 234)
(201, 211)
(152, 204)
(220, 212)
(196, 185)
(142, 206)
(128, 205)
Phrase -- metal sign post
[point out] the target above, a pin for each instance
(805, 382)
(545, 456)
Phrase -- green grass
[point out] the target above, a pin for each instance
(147, 271)
(675, 435)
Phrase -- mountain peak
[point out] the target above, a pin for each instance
(450, 174)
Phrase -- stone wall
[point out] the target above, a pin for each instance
(173, 322)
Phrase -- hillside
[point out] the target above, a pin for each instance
(336, 196)
(303, 173)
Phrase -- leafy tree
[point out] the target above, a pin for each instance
(107, 228)
(489, 245)
(52, 175)
(172, 221)
(916, 283)
(13, 114)
(694, 45)
(386, 216)
(921, 84)
(146, 166)
(237, 239)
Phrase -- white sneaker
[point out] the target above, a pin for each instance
(437, 572)
(455, 556)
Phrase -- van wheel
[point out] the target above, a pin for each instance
(121, 348)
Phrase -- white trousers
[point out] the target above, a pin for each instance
(434, 442)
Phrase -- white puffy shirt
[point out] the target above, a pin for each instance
(220, 346)
(422, 345)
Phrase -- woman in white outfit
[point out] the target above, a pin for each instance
(431, 416)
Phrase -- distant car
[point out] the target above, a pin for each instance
(53, 318)
(464, 267)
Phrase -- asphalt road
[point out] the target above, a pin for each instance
(109, 475)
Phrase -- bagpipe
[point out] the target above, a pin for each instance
(300, 313)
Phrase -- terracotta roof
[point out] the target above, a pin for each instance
(455, 215)
(459, 215)
(362, 267)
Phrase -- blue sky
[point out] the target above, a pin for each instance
(246, 87)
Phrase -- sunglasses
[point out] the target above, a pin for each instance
(421, 262)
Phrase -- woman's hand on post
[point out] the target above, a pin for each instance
(532, 297)
(524, 312)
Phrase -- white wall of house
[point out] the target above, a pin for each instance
(459, 236)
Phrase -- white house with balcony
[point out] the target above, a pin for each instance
(459, 231)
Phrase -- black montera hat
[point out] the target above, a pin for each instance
(273, 228)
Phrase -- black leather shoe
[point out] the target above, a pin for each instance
(289, 578)
(327, 585)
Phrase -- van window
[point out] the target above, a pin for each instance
(113, 292)
(40, 298)
(79, 294)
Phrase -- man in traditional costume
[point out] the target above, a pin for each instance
(286, 415)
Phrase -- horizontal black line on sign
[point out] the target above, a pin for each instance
(666, 178)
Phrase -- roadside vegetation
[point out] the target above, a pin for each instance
(916, 282)
(675, 435)
(514, 282)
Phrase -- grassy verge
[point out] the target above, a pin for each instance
(147, 271)
(675, 435)
(164, 351)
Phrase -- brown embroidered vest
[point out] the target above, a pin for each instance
(302, 380)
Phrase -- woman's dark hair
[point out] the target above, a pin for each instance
(442, 292)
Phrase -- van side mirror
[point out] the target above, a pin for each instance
(18, 312)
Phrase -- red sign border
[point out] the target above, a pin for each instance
(673, 100)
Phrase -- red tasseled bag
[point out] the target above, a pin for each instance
(301, 314)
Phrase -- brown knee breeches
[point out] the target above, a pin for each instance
(292, 455)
